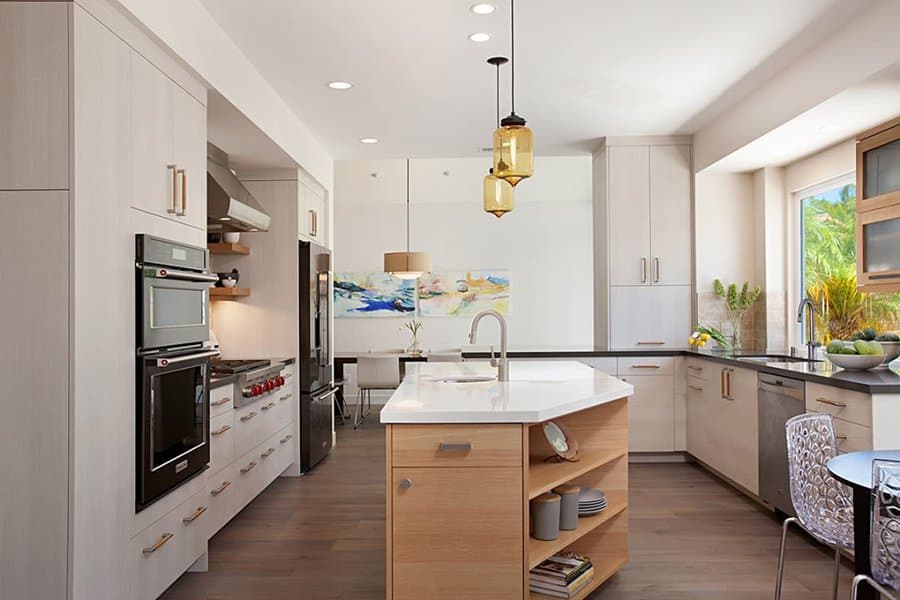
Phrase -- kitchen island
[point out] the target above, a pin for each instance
(466, 453)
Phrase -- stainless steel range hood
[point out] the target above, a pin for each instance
(230, 206)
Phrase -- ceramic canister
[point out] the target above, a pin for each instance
(545, 517)
(568, 506)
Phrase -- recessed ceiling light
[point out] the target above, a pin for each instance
(340, 85)
(482, 9)
(369, 140)
(480, 37)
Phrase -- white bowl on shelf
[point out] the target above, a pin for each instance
(856, 362)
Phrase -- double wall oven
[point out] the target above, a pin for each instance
(172, 322)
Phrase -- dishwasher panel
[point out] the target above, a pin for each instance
(780, 398)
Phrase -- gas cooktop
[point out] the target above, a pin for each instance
(221, 368)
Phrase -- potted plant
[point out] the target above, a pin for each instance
(414, 327)
(737, 303)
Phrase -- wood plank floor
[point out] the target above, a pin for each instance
(321, 537)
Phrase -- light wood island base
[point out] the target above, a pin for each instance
(458, 512)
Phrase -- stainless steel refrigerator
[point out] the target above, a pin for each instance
(316, 386)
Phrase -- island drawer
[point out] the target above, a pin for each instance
(846, 405)
(456, 445)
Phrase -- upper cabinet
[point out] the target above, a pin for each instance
(649, 196)
(34, 102)
(168, 147)
(312, 222)
(878, 208)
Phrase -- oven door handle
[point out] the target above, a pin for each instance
(165, 362)
(180, 275)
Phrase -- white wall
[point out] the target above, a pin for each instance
(546, 243)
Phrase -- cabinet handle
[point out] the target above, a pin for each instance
(313, 223)
(650, 343)
(455, 447)
(173, 205)
(194, 515)
(159, 543)
(246, 418)
(180, 213)
(693, 368)
(837, 436)
(722, 376)
(728, 373)
(285, 397)
(225, 485)
(645, 367)
(268, 406)
(221, 430)
(248, 468)
(220, 402)
(286, 439)
(831, 402)
(656, 269)
(267, 453)
(695, 388)
(643, 270)
(406, 484)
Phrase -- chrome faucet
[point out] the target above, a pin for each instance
(811, 342)
(502, 364)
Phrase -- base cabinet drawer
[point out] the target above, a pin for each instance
(166, 549)
(851, 437)
(249, 427)
(697, 368)
(846, 405)
(457, 446)
(261, 466)
(221, 442)
(221, 400)
(221, 498)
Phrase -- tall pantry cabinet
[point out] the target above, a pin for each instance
(642, 242)
(75, 190)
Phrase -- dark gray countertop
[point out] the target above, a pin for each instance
(876, 381)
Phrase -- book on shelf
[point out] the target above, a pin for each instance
(564, 566)
(562, 590)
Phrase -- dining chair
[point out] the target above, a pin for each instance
(885, 540)
(824, 506)
(451, 355)
(374, 372)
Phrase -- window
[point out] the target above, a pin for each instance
(828, 264)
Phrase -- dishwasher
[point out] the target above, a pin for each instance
(780, 398)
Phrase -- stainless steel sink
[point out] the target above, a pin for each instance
(465, 379)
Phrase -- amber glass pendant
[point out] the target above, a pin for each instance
(498, 195)
(513, 150)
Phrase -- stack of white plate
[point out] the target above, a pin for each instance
(591, 502)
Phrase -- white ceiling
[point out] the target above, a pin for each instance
(586, 68)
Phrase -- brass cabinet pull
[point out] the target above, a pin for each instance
(267, 453)
(225, 485)
(286, 397)
(693, 368)
(248, 468)
(455, 447)
(313, 223)
(286, 439)
(173, 205)
(728, 373)
(837, 436)
(247, 417)
(695, 387)
(268, 406)
(159, 543)
(645, 367)
(220, 402)
(180, 212)
(722, 376)
(194, 515)
(656, 269)
(831, 402)
(650, 343)
(221, 430)
(643, 270)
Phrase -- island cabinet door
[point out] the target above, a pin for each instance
(457, 533)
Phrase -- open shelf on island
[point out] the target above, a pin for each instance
(224, 293)
(544, 475)
(540, 550)
(603, 570)
(226, 248)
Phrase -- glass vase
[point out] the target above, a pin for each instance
(736, 344)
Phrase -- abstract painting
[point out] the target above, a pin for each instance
(463, 293)
(373, 295)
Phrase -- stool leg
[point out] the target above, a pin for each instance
(837, 572)
(780, 576)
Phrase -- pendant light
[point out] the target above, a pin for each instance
(513, 142)
(498, 193)
(407, 265)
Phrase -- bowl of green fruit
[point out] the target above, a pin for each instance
(890, 342)
(858, 355)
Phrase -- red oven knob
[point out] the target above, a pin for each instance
(268, 385)
(256, 390)
(279, 381)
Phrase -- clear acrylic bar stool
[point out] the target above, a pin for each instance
(885, 531)
(824, 506)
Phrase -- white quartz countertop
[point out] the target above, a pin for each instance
(536, 391)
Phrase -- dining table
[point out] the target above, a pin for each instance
(854, 469)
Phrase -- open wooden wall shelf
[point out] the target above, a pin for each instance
(224, 293)
(226, 248)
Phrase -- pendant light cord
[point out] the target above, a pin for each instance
(407, 206)
(512, 55)
(498, 95)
